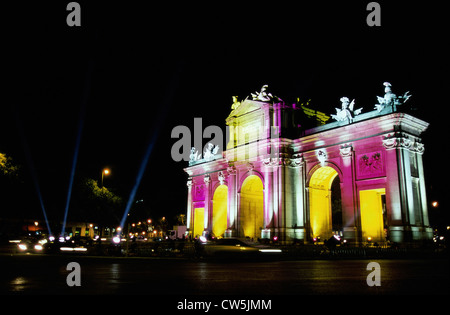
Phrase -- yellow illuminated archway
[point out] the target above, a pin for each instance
(220, 202)
(251, 214)
(320, 202)
(199, 222)
(372, 225)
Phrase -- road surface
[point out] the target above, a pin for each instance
(43, 274)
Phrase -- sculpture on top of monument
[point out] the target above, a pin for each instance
(194, 156)
(264, 96)
(210, 151)
(346, 112)
(236, 103)
(390, 99)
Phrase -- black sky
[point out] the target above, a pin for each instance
(128, 60)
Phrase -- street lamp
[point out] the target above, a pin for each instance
(105, 172)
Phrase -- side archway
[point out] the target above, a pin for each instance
(219, 214)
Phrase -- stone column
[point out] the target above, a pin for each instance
(275, 198)
(208, 209)
(232, 202)
(399, 188)
(405, 173)
(348, 194)
(282, 199)
(295, 205)
(189, 206)
(428, 231)
(268, 199)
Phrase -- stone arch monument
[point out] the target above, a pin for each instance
(280, 162)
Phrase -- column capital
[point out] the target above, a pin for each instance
(296, 160)
(346, 150)
(419, 147)
(221, 178)
(397, 140)
(231, 170)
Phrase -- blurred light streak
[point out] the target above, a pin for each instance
(32, 168)
(84, 101)
(160, 119)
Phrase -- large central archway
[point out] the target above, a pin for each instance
(251, 214)
(320, 202)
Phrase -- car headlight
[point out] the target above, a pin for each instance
(38, 247)
(22, 247)
(43, 241)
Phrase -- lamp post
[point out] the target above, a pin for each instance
(105, 172)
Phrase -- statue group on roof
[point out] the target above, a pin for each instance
(347, 112)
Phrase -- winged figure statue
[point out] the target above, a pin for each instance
(390, 99)
(210, 151)
(346, 111)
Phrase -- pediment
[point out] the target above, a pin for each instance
(245, 107)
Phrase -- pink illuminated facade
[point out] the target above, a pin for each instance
(361, 179)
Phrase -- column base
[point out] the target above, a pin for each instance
(404, 234)
(350, 235)
(295, 235)
(229, 233)
(265, 233)
(428, 233)
(397, 234)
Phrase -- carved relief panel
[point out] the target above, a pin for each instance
(199, 192)
(370, 164)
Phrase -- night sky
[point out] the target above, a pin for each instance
(130, 71)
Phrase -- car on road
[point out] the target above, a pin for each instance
(234, 248)
(29, 244)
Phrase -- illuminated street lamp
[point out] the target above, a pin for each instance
(105, 172)
(435, 204)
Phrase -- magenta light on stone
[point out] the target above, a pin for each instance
(360, 177)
